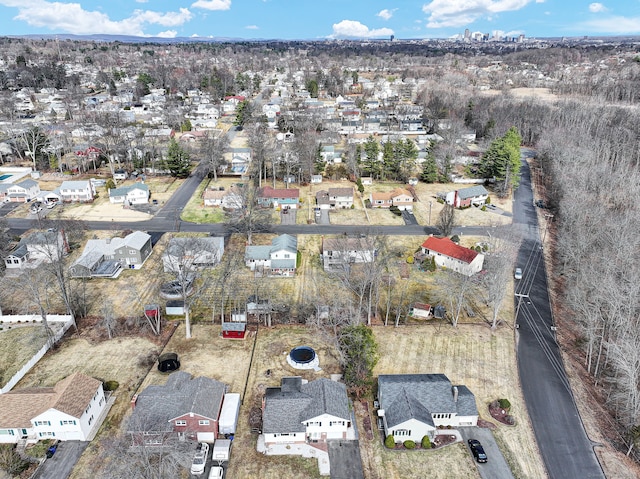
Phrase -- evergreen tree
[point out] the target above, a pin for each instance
(178, 161)
(502, 161)
(430, 170)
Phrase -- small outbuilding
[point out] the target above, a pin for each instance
(234, 330)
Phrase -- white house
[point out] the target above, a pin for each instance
(306, 412)
(341, 198)
(80, 190)
(277, 259)
(192, 253)
(136, 194)
(68, 411)
(416, 405)
(450, 255)
(339, 253)
(465, 197)
(24, 191)
(36, 248)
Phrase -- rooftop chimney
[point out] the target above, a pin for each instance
(455, 393)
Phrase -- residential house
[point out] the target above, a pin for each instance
(194, 253)
(106, 257)
(230, 199)
(120, 175)
(450, 255)
(23, 192)
(306, 412)
(36, 248)
(80, 190)
(465, 197)
(399, 197)
(136, 194)
(69, 411)
(278, 198)
(341, 252)
(341, 198)
(416, 405)
(240, 160)
(277, 259)
(186, 407)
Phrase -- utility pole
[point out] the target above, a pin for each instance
(430, 203)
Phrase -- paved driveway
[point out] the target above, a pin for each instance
(345, 460)
(409, 218)
(495, 467)
(62, 462)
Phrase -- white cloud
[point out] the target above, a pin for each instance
(251, 27)
(457, 13)
(352, 28)
(142, 1)
(386, 14)
(612, 25)
(540, 1)
(167, 34)
(597, 7)
(212, 4)
(72, 18)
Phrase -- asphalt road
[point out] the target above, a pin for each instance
(566, 450)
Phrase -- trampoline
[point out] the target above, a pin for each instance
(303, 357)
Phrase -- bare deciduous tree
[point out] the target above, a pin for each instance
(446, 220)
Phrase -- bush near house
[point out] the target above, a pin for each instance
(409, 444)
(390, 442)
(426, 442)
(504, 404)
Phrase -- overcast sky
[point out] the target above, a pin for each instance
(321, 19)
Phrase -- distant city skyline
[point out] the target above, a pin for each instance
(327, 19)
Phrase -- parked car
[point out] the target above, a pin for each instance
(52, 450)
(51, 204)
(216, 472)
(518, 273)
(477, 450)
(200, 459)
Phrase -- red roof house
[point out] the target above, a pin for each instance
(450, 255)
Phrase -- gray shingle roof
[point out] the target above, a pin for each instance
(182, 394)
(472, 192)
(257, 252)
(406, 396)
(287, 406)
(287, 242)
(124, 190)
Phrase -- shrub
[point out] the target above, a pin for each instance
(395, 210)
(504, 403)
(390, 442)
(488, 200)
(410, 259)
(367, 203)
(426, 442)
(409, 444)
(484, 208)
(353, 207)
(111, 385)
(510, 420)
(455, 239)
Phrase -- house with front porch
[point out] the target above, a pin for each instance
(306, 412)
(416, 405)
(186, 407)
(450, 255)
(69, 411)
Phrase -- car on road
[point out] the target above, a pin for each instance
(477, 450)
(51, 204)
(36, 207)
(216, 472)
(490, 206)
(200, 459)
(518, 273)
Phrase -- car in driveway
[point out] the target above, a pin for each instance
(217, 472)
(200, 459)
(477, 450)
(518, 273)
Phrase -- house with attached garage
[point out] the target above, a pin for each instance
(277, 259)
(450, 255)
(466, 197)
(416, 405)
(23, 192)
(136, 194)
(184, 407)
(278, 198)
(306, 412)
(80, 190)
(69, 411)
(340, 198)
(105, 258)
(399, 197)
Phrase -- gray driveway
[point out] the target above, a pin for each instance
(345, 460)
(62, 462)
(409, 218)
(496, 467)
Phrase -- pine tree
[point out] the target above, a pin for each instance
(430, 170)
(178, 161)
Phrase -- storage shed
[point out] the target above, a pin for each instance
(234, 330)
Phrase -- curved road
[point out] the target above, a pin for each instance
(566, 450)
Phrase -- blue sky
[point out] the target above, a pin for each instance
(320, 19)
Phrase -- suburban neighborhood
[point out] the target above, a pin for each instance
(216, 266)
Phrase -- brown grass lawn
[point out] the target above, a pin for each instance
(17, 346)
(476, 357)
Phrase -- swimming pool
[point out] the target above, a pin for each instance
(5, 177)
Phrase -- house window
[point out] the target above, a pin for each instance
(43, 423)
(132, 251)
(203, 422)
(336, 423)
(47, 434)
(67, 423)
(5, 432)
(90, 420)
(181, 422)
(402, 432)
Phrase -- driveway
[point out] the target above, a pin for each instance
(496, 467)
(345, 460)
(8, 207)
(409, 218)
(323, 219)
(62, 462)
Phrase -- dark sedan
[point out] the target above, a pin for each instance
(477, 450)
